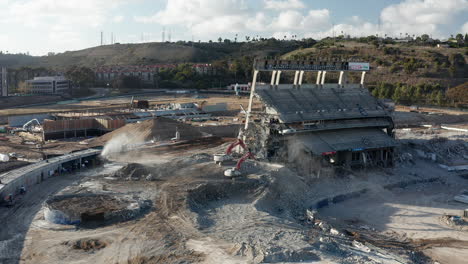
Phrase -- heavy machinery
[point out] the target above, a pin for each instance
(235, 171)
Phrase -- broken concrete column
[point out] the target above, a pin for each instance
(296, 78)
(363, 76)
(301, 75)
(324, 73)
(319, 77)
(343, 78)
(273, 78)
(252, 92)
(278, 76)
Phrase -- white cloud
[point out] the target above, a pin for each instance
(118, 19)
(410, 16)
(63, 23)
(39, 13)
(464, 28)
(288, 20)
(195, 11)
(421, 16)
(212, 18)
(207, 18)
(314, 20)
(282, 5)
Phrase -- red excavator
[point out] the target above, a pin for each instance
(233, 172)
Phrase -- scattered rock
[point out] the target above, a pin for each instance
(335, 232)
(87, 244)
(361, 246)
(133, 171)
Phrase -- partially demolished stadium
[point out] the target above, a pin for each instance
(308, 124)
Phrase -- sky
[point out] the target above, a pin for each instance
(41, 26)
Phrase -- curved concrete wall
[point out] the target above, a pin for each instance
(38, 172)
(58, 217)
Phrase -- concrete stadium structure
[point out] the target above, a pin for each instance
(340, 123)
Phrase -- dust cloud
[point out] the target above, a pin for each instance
(117, 144)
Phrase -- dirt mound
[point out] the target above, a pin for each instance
(86, 244)
(86, 203)
(133, 171)
(136, 171)
(155, 129)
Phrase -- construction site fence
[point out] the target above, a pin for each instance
(51, 126)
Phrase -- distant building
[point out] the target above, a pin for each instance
(3, 82)
(203, 69)
(145, 73)
(49, 85)
(243, 87)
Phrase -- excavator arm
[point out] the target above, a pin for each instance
(244, 157)
(238, 142)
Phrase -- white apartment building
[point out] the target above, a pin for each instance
(3, 82)
(49, 85)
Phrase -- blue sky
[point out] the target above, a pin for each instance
(42, 26)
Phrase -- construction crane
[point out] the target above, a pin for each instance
(28, 126)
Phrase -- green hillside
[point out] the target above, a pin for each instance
(151, 53)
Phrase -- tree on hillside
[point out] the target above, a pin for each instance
(220, 40)
(458, 60)
(81, 76)
(184, 73)
(459, 94)
(127, 82)
(220, 66)
(23, 88)
(424, 37)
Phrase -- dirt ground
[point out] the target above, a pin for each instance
(14, 101)
(267, 216)
(270, 215)
(124, 101)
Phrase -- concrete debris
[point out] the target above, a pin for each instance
(462, 198)
(134, 172)
(361, 246)
(335, 232)
(4, 157)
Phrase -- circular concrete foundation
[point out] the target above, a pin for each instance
(82, 209)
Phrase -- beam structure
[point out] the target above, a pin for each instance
(252, 92)
(363, 77)
(278, 76)
(301, 75)
(343, 78)
(273, 78)
(324, 74)
(319, 77)
(296, 77)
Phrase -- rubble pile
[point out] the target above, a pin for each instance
(133, 172)
(446, 151)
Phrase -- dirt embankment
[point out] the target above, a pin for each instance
(158, 129)
(13, 101)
